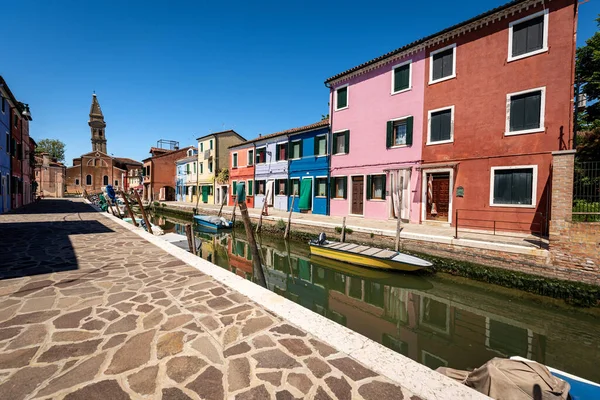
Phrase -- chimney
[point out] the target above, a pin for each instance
(45, 159)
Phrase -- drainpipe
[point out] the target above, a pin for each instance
(329, 146)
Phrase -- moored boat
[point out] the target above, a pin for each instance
(366, 256)
(213, 222)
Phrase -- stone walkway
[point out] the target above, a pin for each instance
(90, 310)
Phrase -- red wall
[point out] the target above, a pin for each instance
(241, 173)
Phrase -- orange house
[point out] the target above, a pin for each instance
(241, 172)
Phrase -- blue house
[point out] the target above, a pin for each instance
(5, 141)
(309, 170)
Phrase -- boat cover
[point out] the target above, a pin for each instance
(211, 219)
(504, 379)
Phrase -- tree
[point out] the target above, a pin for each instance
(54, 147)
(587, 72)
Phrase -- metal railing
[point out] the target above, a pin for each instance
(501, 223)
(586, 192)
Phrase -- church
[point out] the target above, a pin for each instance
(96, 169)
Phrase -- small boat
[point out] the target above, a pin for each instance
(213, 222)
(366, 256)
(581, 389)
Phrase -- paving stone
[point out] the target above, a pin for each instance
(318, 367)
(340, 387)
(300, 382)
(207, 349)
(83, 372)
(37, 304)
(231, 335)
(8, 333)
(323, 349)
(125, 324)
(72, 336)
(352, 369)
(209, 384)
(152, 319)
(218, 303)
(194, 327)
(181, 368)
(210, 323)
(62, 351)
(262, 341)
(71, 320)
(144, 381)
(144, 308)
(238, 374)
(124, 306)
(140, 299)
(93, 325)
(274, 358)
(114, 341)
(174, 394)
(274, 378)
(30, 318)
(172, 310)
(256, 393)
(285, 395)
(34, 334)
(287, 329)
(134, 353)
(378, 390)
(176, 321)
(218, 291)
(239, 348)
(103, 390)
(23, 382)
(109, 315)
(322, 394)
(116, 298)
(254, 325)
(17, 358)
(236, 309)
(169, 344)
(296, 346)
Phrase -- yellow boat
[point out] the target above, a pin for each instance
(366, 256)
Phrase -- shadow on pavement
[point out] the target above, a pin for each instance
(54, 206)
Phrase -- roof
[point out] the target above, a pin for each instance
(222, 133)
(187, 159)
(127, 161)
(320, 124)
(168, 153)
(95, 109)
(425, 39)
(11, 96)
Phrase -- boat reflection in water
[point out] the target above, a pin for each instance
(435, 320)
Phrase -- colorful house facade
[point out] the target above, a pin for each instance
(309, 170)
(160, 173)
(271, 170)
(241, 171)
(376, 138)
(187, 177)
(5, 147)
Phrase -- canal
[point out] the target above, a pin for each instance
(436, 320)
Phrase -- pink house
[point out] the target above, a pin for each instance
(376, 123)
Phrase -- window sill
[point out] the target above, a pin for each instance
(321, 155)
(525, 132)
(522, 56)
(340, 154)
(401, 91)
(320, 197)
(377, 200)
(443, 79)
(339, 198)
(440, 142)
(514, 205)
(399, 146)
(340, 109)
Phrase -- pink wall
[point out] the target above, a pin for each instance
(370, 106)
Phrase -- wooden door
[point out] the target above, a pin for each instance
(357, 194)
(437, 208)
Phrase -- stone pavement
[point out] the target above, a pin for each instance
(90, 310)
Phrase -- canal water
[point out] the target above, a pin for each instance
(436, 320)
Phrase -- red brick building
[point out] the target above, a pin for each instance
(160, 173)
(498, 101)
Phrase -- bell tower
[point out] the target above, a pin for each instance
(97, 126)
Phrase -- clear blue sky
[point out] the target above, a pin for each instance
(181, 69)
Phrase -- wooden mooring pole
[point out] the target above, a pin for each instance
(128, 206)
(343, 236)
(148, 226)
(233, 212)
(398, 212)
(189, 233)
(286, 235)
(222, 204)
(258, 274)
(262, 211)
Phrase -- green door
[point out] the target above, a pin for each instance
(305, 195)
(205, 194)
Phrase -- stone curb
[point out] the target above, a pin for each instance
(409, 374)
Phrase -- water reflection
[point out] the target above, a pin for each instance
(432, 320)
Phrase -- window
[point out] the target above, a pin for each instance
(148, 170)
(116, 183)
(235, 160)
(100, 132)
(321, 145)
(250, 182)
(261, 155)
(210, 166)
(88, 180)
(375, 187)
(187, 168)
(201, 147)
(194, 168)
(8, 142)
(525, 111)
(202, 168)
(399, 132)
(210, 143)
(441, 122)
(442, 64)
(295, 183)
(105, 180)
(528, 36)
(15, 120)
(296, 149)
(3, 104)
(281, 187)
(77, 182)
(234, 188)
(401, 77)
(514, 186)
(281, 151)
(341, 98)
(260, 187)
(321, 187)
(250, 157)
(339, 187)
(341, 142)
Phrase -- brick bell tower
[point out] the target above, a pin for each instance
(97, 126)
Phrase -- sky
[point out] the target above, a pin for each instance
(179, 69)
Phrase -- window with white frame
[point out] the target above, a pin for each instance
(341, 98)
(401, 77)
(234, 160)
(525, 111)
(261, 155)
(321, 145)
(341, 142)
(321, 187)
(339, 185)
(399, 132)
(441, 122)
(260, 187)
(442, 64)
(295, 187)
(296, 149)
(513, 186)
(375, 187)
(528, 36)
(281, 151)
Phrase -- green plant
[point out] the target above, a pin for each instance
(372, 235)
(281, 225)
(163, 204)
(338, 229)
(156, 204)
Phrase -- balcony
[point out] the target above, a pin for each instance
(207, 154)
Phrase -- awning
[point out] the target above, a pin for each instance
(448, 164)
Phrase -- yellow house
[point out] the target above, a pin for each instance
(213, 157)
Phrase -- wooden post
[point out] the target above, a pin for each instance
(222, 204)
(148, 226)
(133, 221)
(233, 212)
(343, 236)
(262, 211)
(399, 211)
(258, 274)
(86, 195)
(286, 235)
(190, 238)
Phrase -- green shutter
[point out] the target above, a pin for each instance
(383, 194)
(234, 188)
(276, 186)
(334, 143)
(409, 130)
(285, 187)
(389, 138)
(345, 186)
(368, 187)
(332, 188)
(277, 149)
(347, 144)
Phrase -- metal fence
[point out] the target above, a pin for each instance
(586, 192)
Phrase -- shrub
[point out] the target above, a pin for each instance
(164, 204)
(156, 204)
(281, 225)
